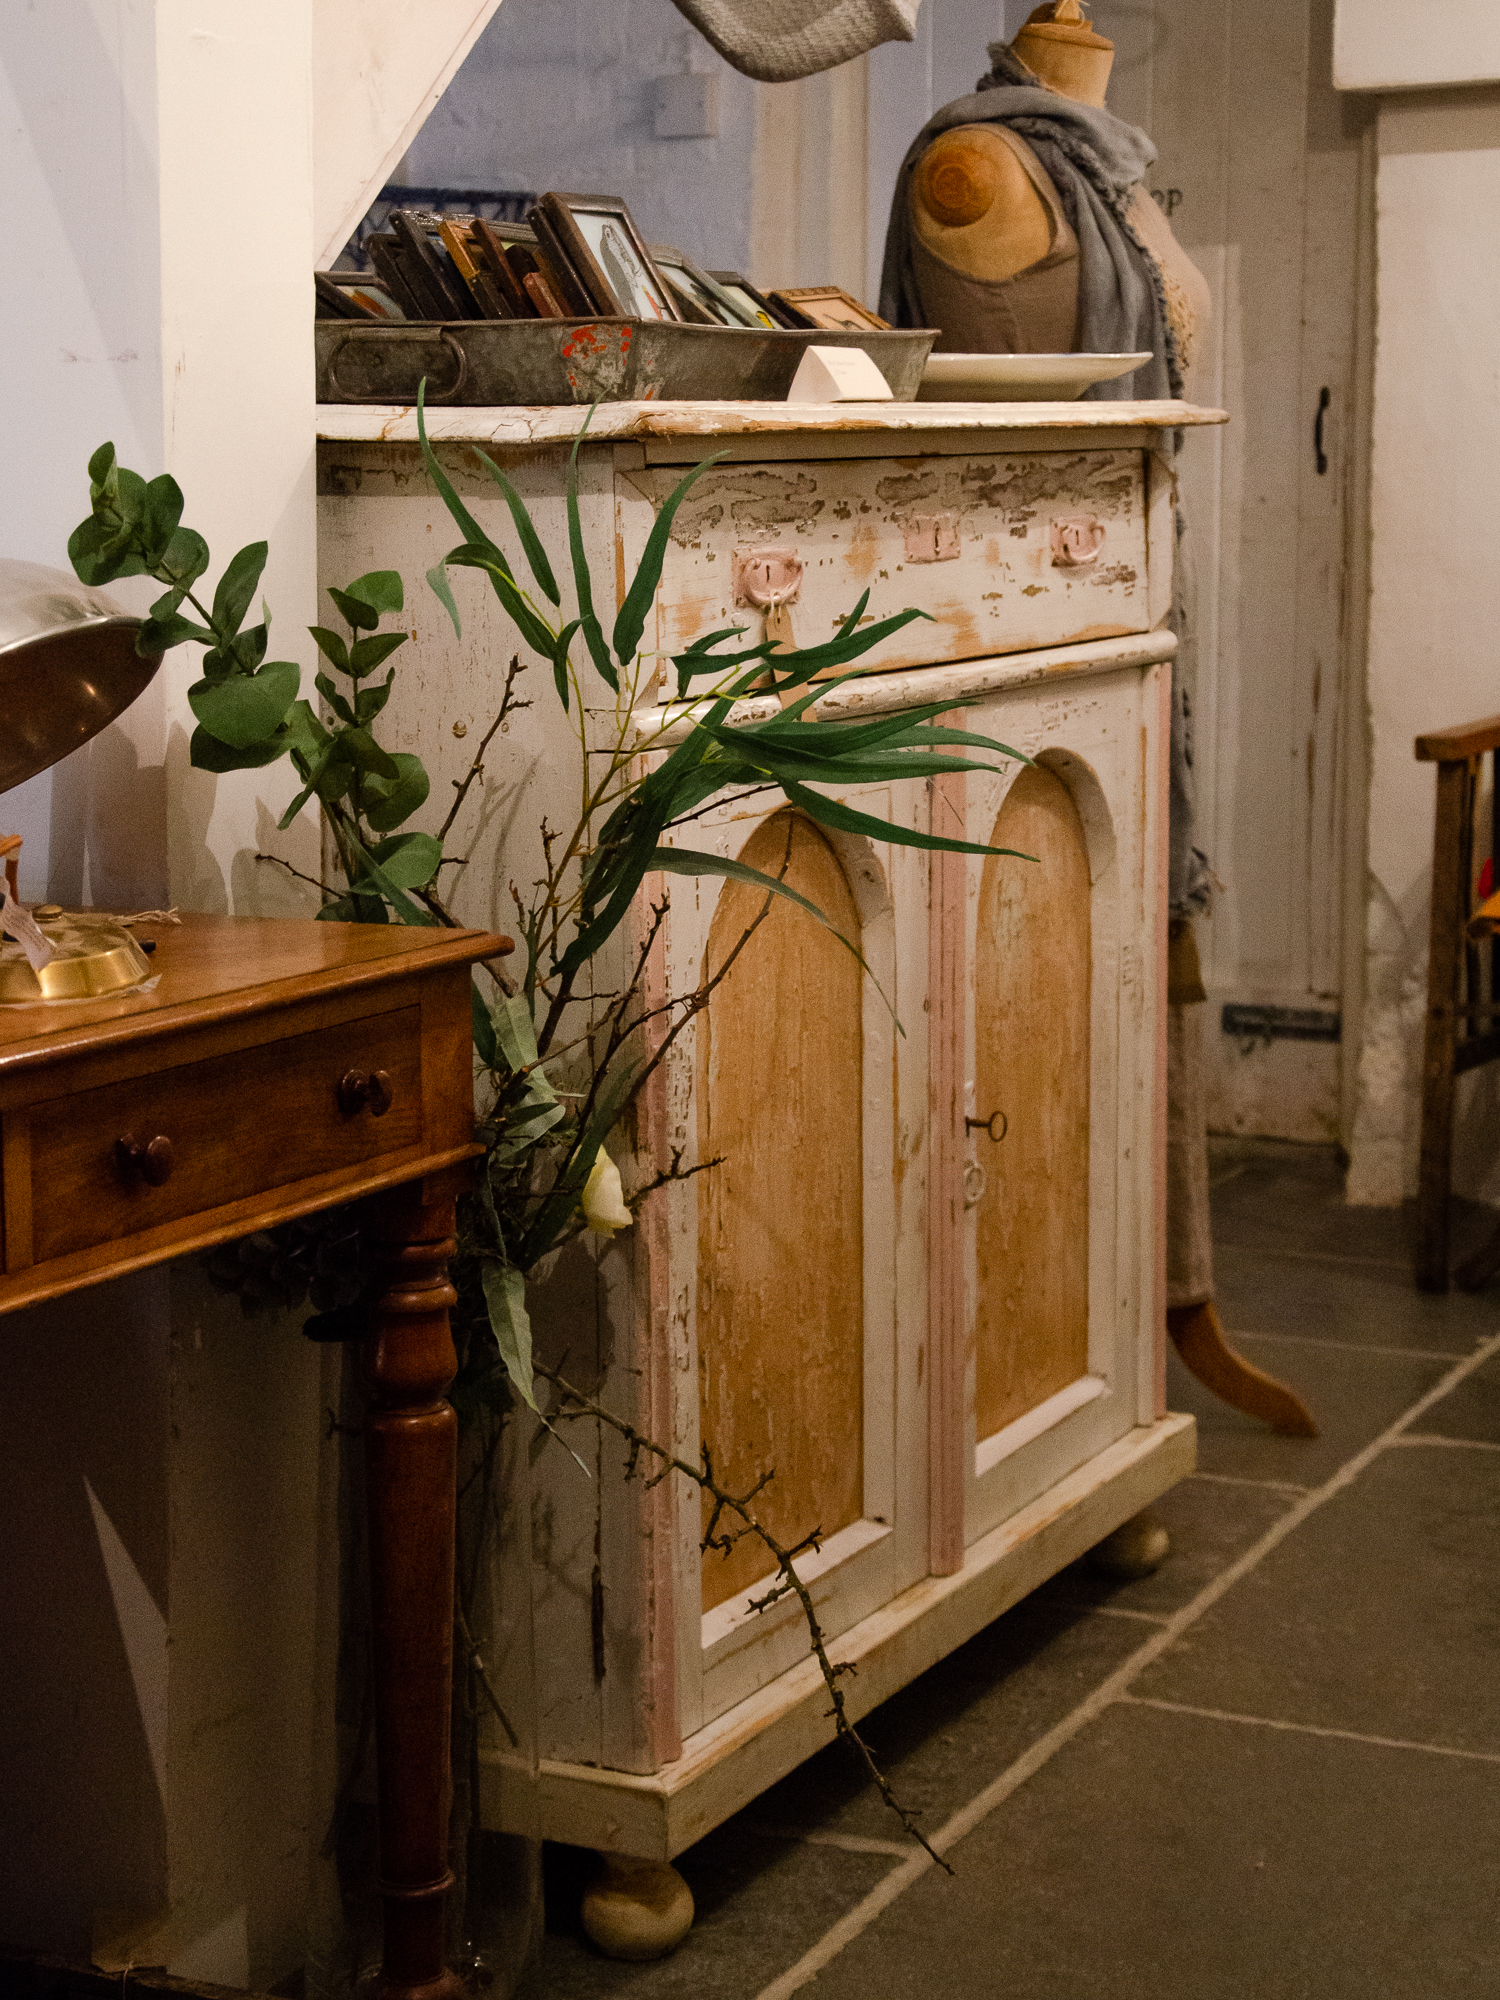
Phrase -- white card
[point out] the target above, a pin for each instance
(27, 933)
(838, 375)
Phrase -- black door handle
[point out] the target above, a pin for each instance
(1320, 457)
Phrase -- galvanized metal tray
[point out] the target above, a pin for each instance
(545, 361)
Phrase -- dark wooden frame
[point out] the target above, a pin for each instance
(665, 260)
(555, 212)
(773, 313)
(803, 300)
(329, 286)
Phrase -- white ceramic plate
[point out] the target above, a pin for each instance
(1019, 378)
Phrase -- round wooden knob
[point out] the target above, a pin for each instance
(151, 1162)
(956, 182)
(365, 1090)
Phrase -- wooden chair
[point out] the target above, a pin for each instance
(1463, 985)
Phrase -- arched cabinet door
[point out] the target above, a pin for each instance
(1059, 1080)
(798, 1261)
(1033, 973)
(781, 1332)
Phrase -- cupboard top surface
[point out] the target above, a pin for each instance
(651, 420)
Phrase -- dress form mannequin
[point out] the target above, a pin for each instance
(994, 258)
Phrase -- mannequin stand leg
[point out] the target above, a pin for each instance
(637, 1909)
(1199, 1340)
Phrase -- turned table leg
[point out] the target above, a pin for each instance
(411, 1437)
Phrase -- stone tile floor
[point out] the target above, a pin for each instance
(1272, 1769)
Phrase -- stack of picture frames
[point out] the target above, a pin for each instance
(577, 256)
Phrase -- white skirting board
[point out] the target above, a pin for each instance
(736, 1757)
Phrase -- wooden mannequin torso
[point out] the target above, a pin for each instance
(976, 208)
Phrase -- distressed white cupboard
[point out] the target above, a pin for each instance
(922, 1286)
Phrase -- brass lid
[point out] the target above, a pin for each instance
(94, 957)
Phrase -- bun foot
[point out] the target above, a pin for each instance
(637, 1909)
(1136, 1548)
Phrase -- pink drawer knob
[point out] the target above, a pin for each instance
(1076, 540)
(766, 577)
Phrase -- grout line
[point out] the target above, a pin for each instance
(1311, 1729)
(1123, 1611)
(848, 1843)
(1346, 1346)
(1269, 1485)
(1402, 1264)
(1447, 1444)
(1109, 1690)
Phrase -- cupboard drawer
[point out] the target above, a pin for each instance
(238, 1124)
(1004, 552)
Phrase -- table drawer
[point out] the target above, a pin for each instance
(1004, 552)
(238, 1124)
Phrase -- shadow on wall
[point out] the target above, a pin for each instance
(83, 1602)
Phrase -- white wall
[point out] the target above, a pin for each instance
(557, 94)
(145, 1706)
(1391, 45)
(1435, 568)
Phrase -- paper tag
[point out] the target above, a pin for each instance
(779, 629)
(23, 927)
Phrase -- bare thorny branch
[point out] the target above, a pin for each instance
(787, 1582)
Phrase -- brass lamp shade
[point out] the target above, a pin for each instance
(68, 666)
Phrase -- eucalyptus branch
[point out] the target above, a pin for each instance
(310, 879)
(787, 1582)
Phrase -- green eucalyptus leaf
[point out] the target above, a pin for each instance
(159, 635)
(386, 803)
(367, 654)
(409, 859)
(331, 646)
(209, 753)
(366, 755)
(335, 700)
(369, 701)
(246, 709)
(381, 589)
(363, 617)
(354, 910)
(237, 587)
(163, 511)
(186, 558)
(373, 875)
(102, 472)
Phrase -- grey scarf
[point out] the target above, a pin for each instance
(1094, 159)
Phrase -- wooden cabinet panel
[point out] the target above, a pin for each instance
(286, 1126)
(1032, 989)
(781, 1222)
(1003, 552)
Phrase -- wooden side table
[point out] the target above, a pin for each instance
(279, 1068)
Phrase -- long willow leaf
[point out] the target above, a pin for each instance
(593, 634)
(536, 555)
(631, 622)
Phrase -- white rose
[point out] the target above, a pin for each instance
(604, 1199)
